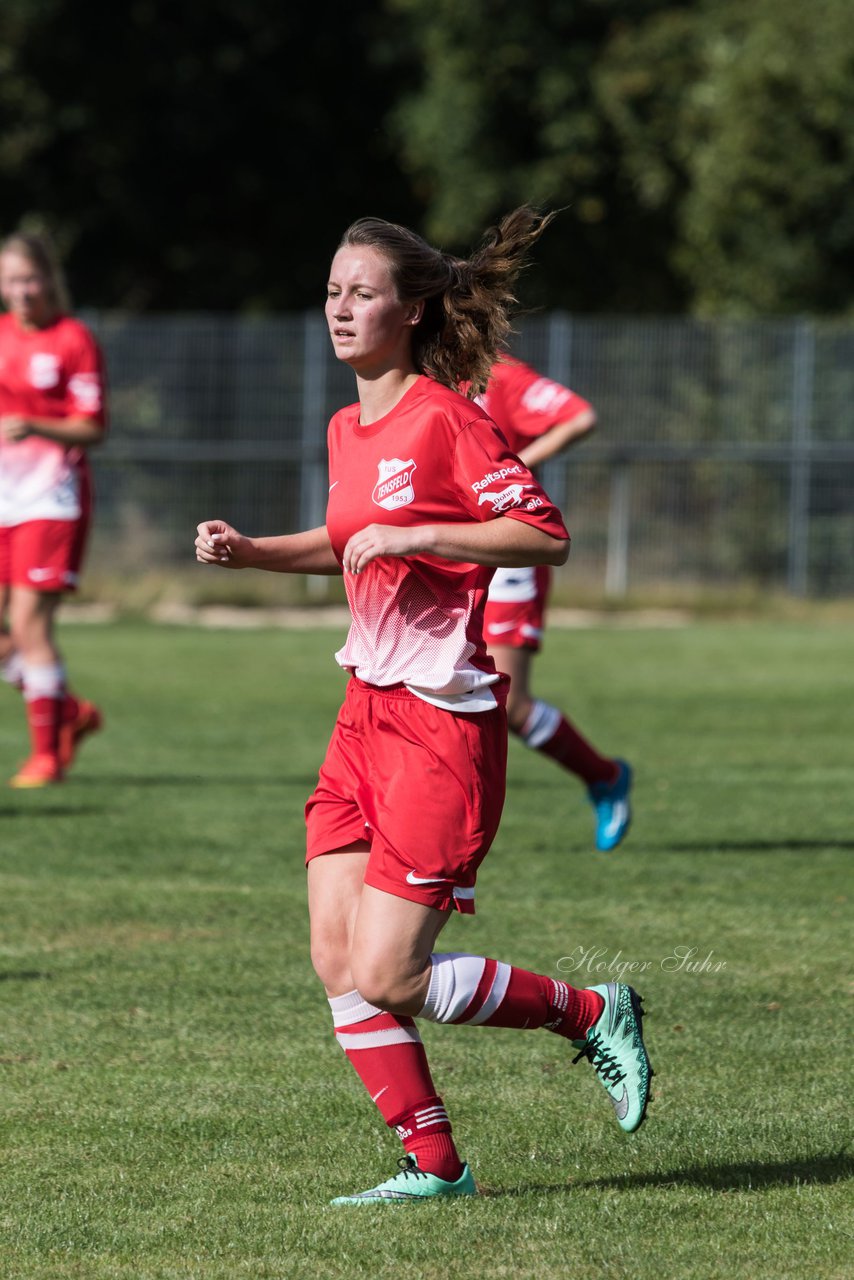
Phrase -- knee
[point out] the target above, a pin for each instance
(29, 634)
(382, 984)
(18, 635)
(374, 985)
(378, 979)
(518, 710)
(331, 963)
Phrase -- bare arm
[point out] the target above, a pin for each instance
(558, 438)
(501, 542)
(72, 431)
(309, 552)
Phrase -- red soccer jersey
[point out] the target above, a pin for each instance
(436, 458)
(524, 404)
(55, 372)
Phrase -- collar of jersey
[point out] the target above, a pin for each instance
(404, 400)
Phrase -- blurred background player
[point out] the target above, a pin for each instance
(540, 418)
(51, 412)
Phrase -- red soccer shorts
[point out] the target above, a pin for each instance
(516, 607)
(43, 554)
(423, 786)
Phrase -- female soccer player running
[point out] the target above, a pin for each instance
(425, 499)
(51, 412)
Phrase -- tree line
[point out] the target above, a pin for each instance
(207, 156)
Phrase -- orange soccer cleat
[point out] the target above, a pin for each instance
(71, 734)
(38, 771)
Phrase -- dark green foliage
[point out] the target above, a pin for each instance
(209, 156)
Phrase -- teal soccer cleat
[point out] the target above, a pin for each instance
(615, 1049)
(610, 801)
(412, 1184)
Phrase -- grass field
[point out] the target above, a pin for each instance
(174, 1105)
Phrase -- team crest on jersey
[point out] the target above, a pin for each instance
(44, 370)
(394, 487)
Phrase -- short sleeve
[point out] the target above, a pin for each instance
(86, 377)
(535, 404)
(493, 482)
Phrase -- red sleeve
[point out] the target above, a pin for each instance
(84, 363)
(493, 482)
(530, 403)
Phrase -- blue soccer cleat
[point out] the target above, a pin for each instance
(610, 801)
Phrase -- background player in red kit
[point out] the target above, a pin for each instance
(51, 412)
(539, 418)
(425, 499)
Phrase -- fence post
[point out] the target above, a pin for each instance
(313, 473)
(552, 472)
(617, 560)
(803, 377)
(559, 360)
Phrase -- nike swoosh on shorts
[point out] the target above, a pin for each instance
(498, 627)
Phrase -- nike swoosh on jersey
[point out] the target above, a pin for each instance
(332, 486)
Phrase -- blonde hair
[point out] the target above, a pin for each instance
(467, 301)
(39, 251)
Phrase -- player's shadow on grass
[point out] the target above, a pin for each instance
(747, 1175)
(51, 811)
(744, 1176)
(308, 781)
(750, 846)
(24, 975)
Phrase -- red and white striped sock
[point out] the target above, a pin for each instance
(70, 708)
(387, 1055)
(489, 993)
(44, 690)
(547, 730)
(12, 669)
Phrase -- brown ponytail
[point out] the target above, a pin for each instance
(468, 301)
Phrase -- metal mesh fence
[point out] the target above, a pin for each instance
(723, 454)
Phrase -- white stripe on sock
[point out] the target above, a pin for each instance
(12, 670)
(453, 981)
(541, 725)
(351, 1008)
(425, 1119)
(43, 682)
(376, 1039)
(425, 1112)
(497, 993)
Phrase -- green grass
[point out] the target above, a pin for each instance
(174, 1105)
